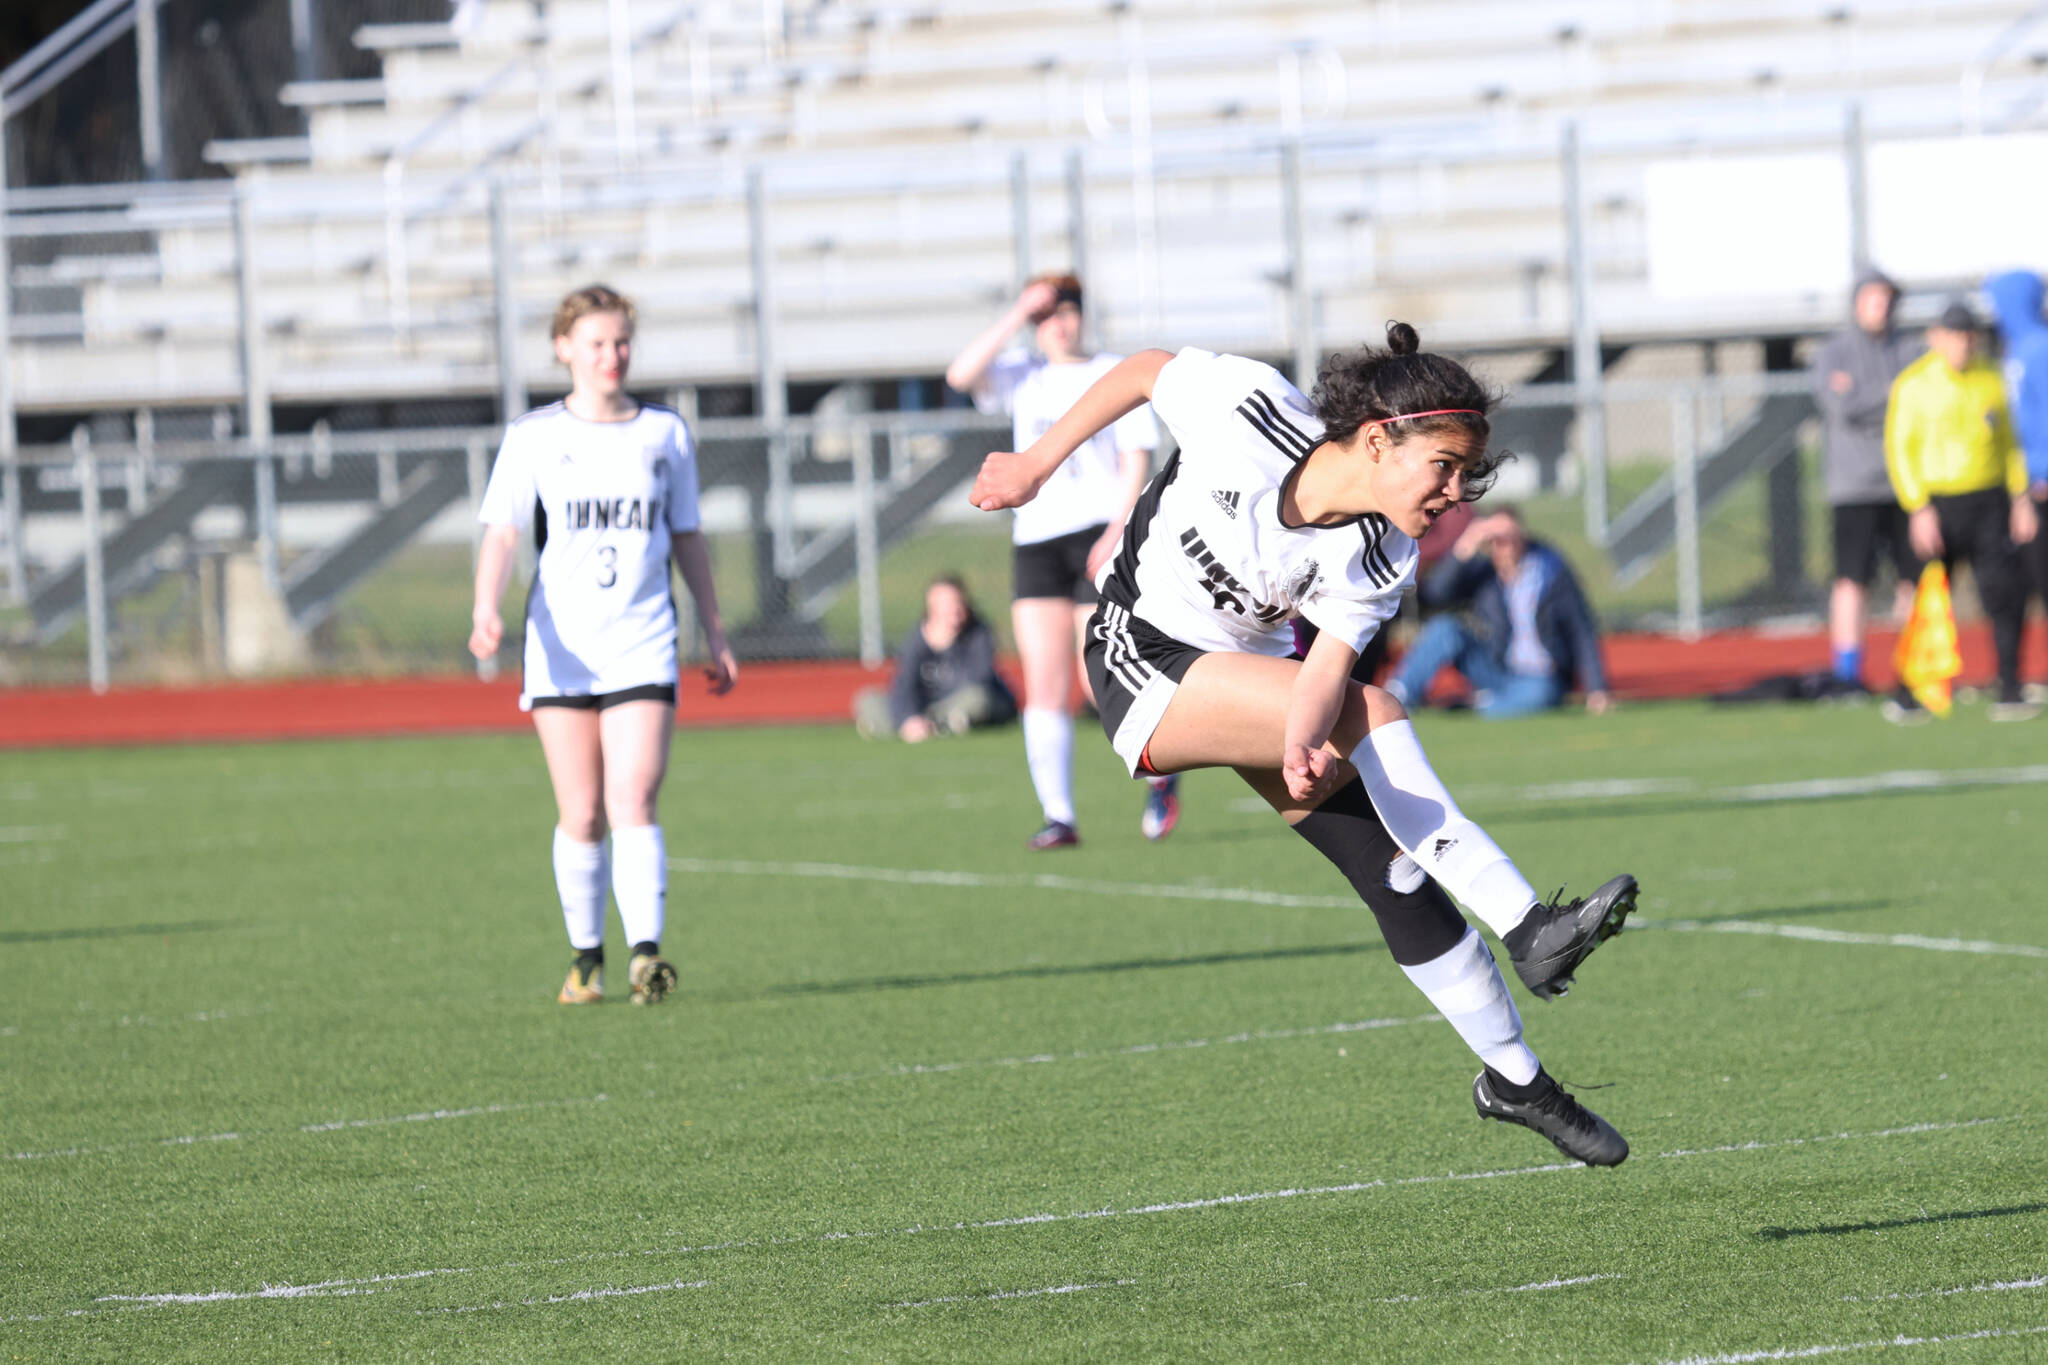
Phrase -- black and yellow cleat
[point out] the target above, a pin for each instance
(652, 978)
(585, 985)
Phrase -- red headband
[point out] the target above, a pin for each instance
(1433, 412)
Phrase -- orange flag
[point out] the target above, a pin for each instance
(1927, 657)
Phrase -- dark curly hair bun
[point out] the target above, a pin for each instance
(1356, 388)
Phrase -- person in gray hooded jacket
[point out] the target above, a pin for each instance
(1853, 372)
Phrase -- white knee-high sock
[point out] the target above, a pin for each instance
(1466, 988)
(640, 881)
(580, 878)
(1049, 750)
(1430, 828)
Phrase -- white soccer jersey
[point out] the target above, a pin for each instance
(1207, 559)
(603, 499)
(1084, 491)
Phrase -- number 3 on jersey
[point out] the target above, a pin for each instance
(607, 565)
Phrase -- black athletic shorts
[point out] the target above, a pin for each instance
(1133, 668)
(1866, 530)
(605, 701)
(1056, 567)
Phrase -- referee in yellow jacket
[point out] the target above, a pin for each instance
(1962, 479)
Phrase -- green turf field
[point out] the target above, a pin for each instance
(282, 1076)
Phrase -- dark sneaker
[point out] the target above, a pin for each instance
(1056, 834)
(1549, 945)
(1162, 809)
(1575, 1130)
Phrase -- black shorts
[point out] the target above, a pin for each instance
(605, 701)
(1866, 530)
(1134, 670)
(1056, 567)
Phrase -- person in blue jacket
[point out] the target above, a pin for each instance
(2016, 297)
(1525, 635)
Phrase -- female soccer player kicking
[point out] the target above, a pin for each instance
(1275, 509)
(1065, 535)
(609, 485)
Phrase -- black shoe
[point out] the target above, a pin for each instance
(1548, 946)
(1575, 1130)
(1056, 834)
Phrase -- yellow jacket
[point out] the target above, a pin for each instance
(1948, 433)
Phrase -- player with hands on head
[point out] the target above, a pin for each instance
(1511, 617)
(1276, 507)
(1065, 536)
(608, 485)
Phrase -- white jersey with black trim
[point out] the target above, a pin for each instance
(603, 499)
(1084, 491)
(1206, 557)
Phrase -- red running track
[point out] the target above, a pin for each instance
(1643, 667)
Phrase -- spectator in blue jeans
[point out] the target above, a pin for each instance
(1511, 618)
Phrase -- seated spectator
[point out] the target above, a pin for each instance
(1525, 636)
(946, 681)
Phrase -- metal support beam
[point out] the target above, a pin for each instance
(1855, 160)
(1020, 219)
(305, 21)
(1587, 373)
(625, 134)
(1301, 302)
(1077, 214)
(1685, 506)
(256, 387)
(774, 532)
(511, 383)
(87, 470)
(867, 546)
(10, 460)
(149, 88)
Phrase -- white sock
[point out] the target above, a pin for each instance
(1431, 829)
(580, 878)
(640, 881)
(1465, 986)
(1049, 749)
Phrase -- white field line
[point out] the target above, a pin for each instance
(31, 834)
(1995, 1287)
(914, 876)
(1023, 1220)
(1134, 1050)
(580, 1296)
(428, 1116)
(1844, 1347)
(1015, 1294)
(1536, 1288)
(1816, 935)
(323, 1289)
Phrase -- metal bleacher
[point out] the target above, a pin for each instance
(868, 179)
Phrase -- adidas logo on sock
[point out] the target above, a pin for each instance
(1443, 846)
(1227, 500)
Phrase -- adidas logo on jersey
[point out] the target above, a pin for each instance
(1443, 846)
(1227, 500)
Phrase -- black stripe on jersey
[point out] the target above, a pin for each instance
(557, 406)
(1261, 425)
(1281, 423)
(1122, 585)
(1373, 527)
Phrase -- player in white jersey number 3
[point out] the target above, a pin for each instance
(1276, 508)
(1065, 535)
(608, 485)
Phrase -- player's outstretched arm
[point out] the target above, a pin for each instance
(1312, 772)
(977, 355)
(493, 569)
(1013, 478)
(693, 558)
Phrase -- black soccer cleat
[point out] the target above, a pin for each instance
(1548, 946)
(1575, 1130)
